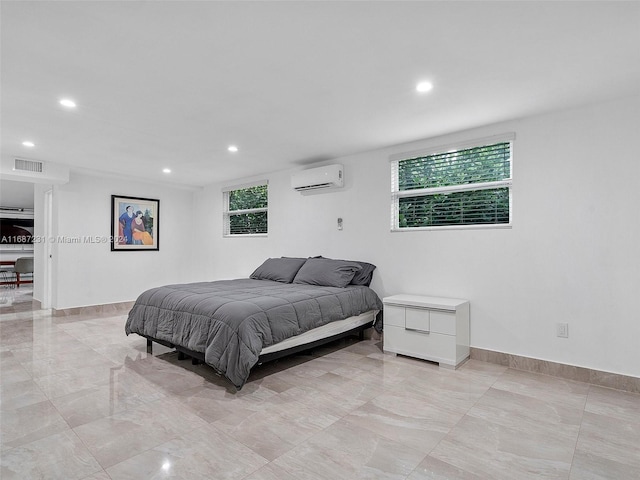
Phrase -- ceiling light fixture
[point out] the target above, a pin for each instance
(232, 148)
(29, 144)
(424, 87)
(166, 170)
(66, 102)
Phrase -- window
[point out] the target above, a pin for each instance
(453, 187)
(245, 210)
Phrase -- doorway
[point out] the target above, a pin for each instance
(47, 257)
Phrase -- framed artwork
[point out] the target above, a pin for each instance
(134, 223)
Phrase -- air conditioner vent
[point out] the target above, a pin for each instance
(317, 178)
(27, 165)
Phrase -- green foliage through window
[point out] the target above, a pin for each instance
(247, 211)
(461, 208)
(246, 198)
(459, 187)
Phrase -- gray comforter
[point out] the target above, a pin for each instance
(230, 321)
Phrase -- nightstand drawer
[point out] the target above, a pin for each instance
(427, 346)
(417, 319)
(443, 322)
(427, 321)
(393, 315)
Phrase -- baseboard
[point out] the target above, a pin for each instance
(115, 308)
(569, 372)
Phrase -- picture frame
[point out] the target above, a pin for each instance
(134, 224)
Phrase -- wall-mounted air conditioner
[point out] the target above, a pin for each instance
(321, 177)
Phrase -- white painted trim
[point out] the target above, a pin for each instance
(462, 145)
(244, 185)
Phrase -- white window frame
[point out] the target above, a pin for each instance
(396, 193)
(227, 214)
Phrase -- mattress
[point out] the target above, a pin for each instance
(324, 331)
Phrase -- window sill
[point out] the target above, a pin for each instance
(245, 235)
(454, 227)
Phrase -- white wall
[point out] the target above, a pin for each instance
(571, 256)
(90, 273)
(39, 248)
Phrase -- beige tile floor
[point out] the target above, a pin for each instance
(80, 400)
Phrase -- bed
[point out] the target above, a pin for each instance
(286, 305)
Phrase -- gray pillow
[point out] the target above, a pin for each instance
(363, 276)
(327, 272)
(278, 269)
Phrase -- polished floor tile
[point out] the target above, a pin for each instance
(434, 469)
(117, 437)
(345, 451)
(274, 472)
(30, 423)
(498, 452)
(543, 387)
(274, 431)
(613, 403)
(61, 456)
(203, 453)
(610, 438)
(20, 394)
(409, 420)
(125, 392)
(591, 466)
(528, 414)
(81, 400)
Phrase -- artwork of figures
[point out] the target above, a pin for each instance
(134, 223)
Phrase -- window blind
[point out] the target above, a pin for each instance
(470, 186)
(247, 223)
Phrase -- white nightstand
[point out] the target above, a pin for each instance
(431, 328)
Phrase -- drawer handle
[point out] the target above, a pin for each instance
(416, 330)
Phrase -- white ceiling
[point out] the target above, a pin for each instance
(172, 84)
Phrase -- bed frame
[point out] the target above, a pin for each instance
(198, 357)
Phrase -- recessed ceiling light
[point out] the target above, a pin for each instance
(424, 87)
(66, 102)
(27, 143)
(232, 148)
(166, 170)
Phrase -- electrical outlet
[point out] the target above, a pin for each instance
(339, 223)
(562, 330)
